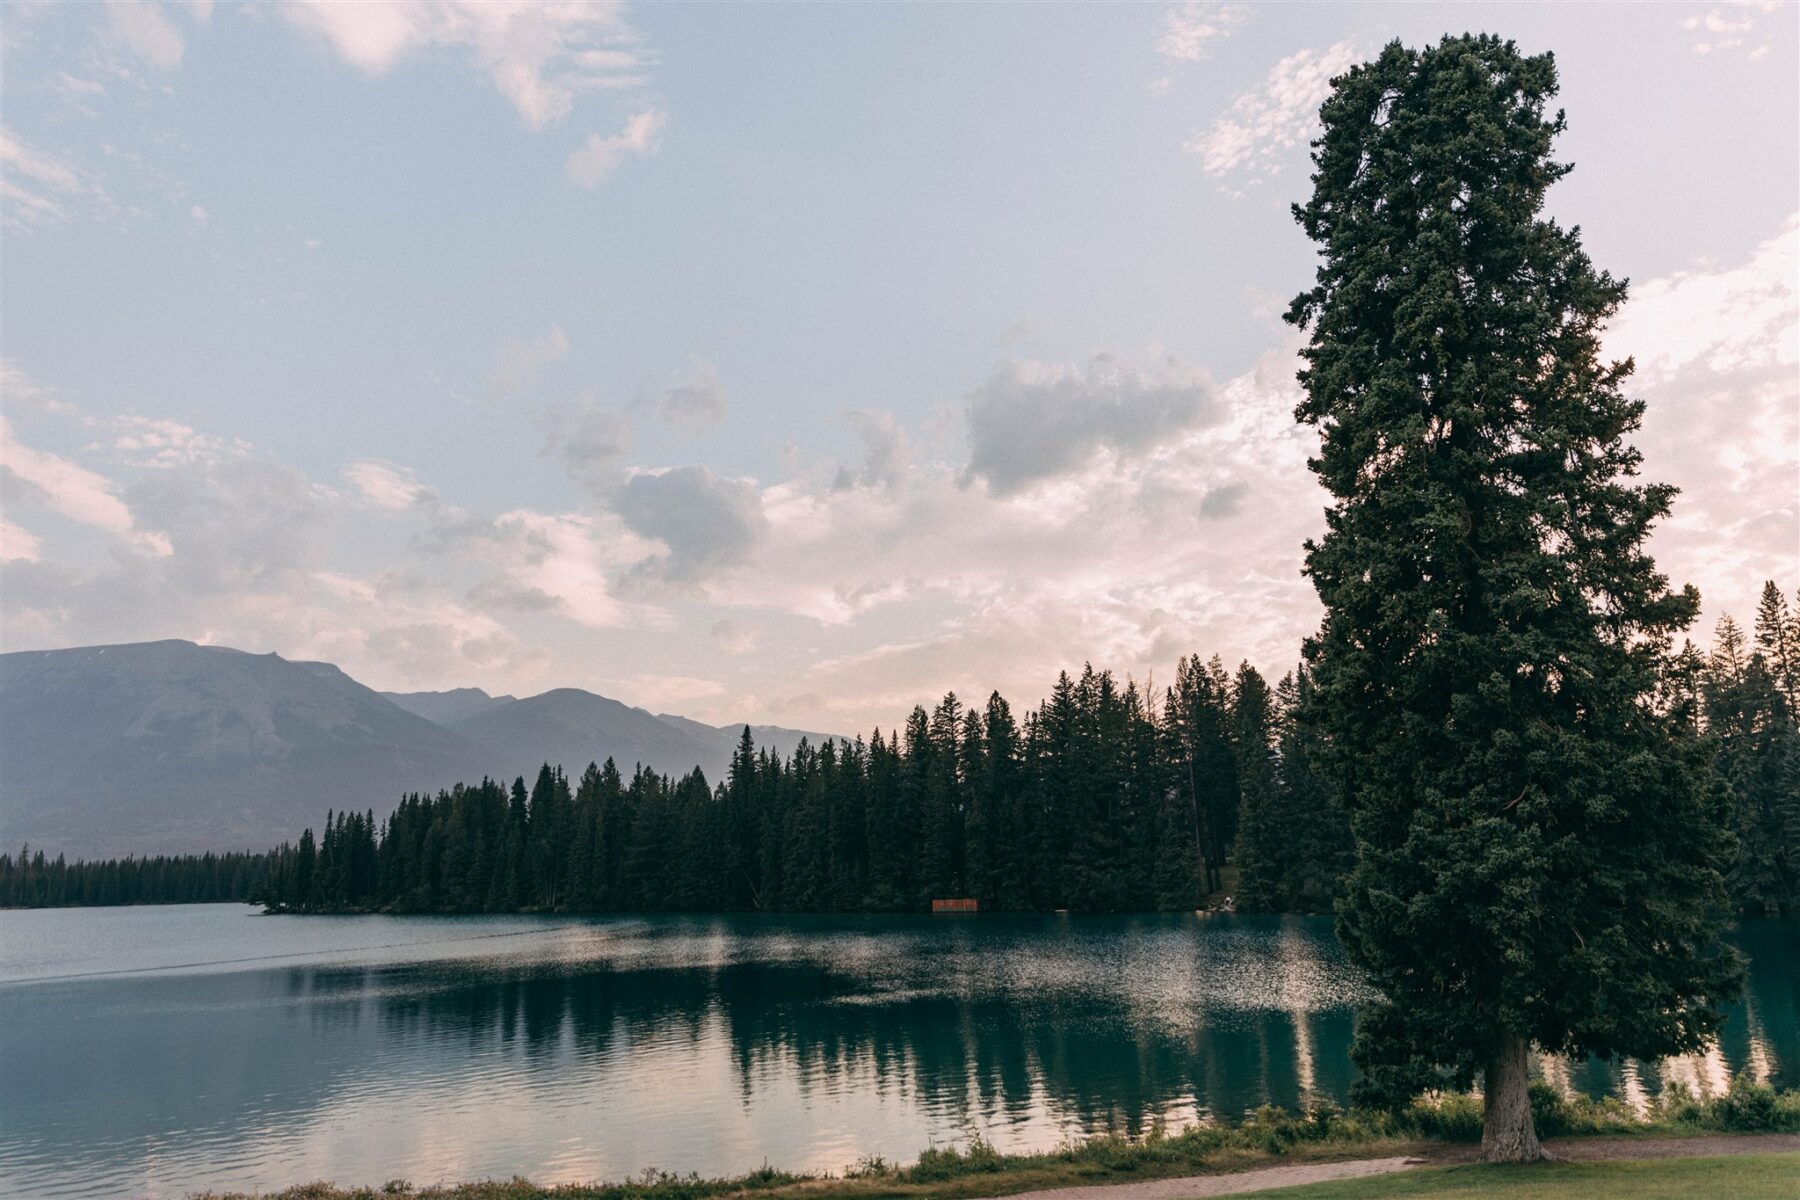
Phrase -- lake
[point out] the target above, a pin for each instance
(153, 1051)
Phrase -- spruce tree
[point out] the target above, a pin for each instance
(1537, 864)
(1265, 838)
(1778, 637)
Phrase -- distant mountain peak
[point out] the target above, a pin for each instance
(174, 746)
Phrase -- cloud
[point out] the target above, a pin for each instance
(1718, 355)
(1260, 128)
(541, 57)
(36, 187)
(159, 442)
(734, 639)
(600, 156)
(886, 453)
(697, 403)
(664, 693)
(1224, 500)
(75, 492)
(588, 441)
(1729, 27)
(141, 27)
(19, 391)
(1725, 320)
(1189, 30)
(887, 591)
(706, 521)
(522, 363)
(385, 486)
(1033, 421)
(566, 563)
(244, 561)
(16, 544)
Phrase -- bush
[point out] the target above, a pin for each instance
(1750, 1108)
(1550, 1113)
(1452, 1116)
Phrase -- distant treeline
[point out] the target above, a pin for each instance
(29, 880)
(1098, 801)
(1104, 799)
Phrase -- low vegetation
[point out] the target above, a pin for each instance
(1267, 1136)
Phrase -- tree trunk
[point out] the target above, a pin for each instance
(1507, 1132)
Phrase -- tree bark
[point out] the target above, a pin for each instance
(1508, 1134)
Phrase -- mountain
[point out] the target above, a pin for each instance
(774, 738)
(169, 746)
(446, 708)
(571, 728)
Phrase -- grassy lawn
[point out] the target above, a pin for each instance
(1740, 1177)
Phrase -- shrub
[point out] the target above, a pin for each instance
(1453, 1116)
(1748, 1107)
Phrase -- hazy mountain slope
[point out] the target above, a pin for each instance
(169, 746)
(571, 728)
(447, 708)
(773, 737)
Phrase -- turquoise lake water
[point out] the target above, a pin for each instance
(154, 1051)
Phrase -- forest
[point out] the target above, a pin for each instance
(1104, 799)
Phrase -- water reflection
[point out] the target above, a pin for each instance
(584, 1049)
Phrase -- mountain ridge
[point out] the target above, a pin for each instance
(171, 746)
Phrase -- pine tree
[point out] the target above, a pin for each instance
(1537, 864)
(1322, 850)
(1778, 637)
(1265, 840)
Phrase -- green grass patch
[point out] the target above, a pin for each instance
(1740, 1176)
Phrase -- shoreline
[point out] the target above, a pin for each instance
(1099, 1169)
(1750, 1119)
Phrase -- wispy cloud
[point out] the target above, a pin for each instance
(142, 28)
(1189, 31)
(1723, 318)
(37, 187)
(1257, 135)
(541, 57)
(697, 402)
(1730, 26)
(75, 492)
(522, 361)
(598, 157)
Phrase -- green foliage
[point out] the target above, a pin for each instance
(1746, 719)
(1099, 801)
(1539, 859)
(29, 880)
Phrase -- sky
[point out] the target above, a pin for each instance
(791, 363)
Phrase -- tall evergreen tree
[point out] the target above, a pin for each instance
(1778, 638)
(1538, 865)
(1266, 835)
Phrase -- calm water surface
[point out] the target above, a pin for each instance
(154, 1051)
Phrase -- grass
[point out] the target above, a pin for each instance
(1740, 1176)
(1266, 1137)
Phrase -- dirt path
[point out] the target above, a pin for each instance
(1192, 1186)
(1587, 1149)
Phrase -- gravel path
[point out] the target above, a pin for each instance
(1587, 1149)
(1193, 1186)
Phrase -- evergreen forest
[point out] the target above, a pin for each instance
(1106, 798)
